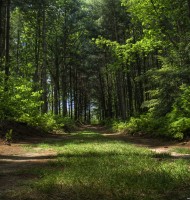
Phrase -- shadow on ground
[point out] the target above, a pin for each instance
(39, 176)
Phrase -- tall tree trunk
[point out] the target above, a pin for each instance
(36, 76)
(56, 86)
(130, 96)
(139, 85)
(56, 103)
(71, 92)
(121, 96)
(76, 96)
(102, 97)
(44, 65)
(188, 2)
(2, 45)
(7, 45)
(64, 93)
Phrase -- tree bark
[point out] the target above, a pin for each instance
(7, 44)
(1, 30)
(188, 2)
(44, 67)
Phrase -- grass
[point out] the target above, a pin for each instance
(90, 166)
(181, 150)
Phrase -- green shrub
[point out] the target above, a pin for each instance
(119, 126)
(65, 122)
(179, 127)
(181, 107)
(9, 135)
(145, 123)
(179, 117)
(49, 122)
(20, 101)
(175, 124)
(44, 121)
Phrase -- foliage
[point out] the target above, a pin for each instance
(161, 127)
(179, 117)
(119, 126)
(45, 121)
(40, 60)
(178, 128)
(66, 123)
(181, 107)
(98, 59)
(167, 103)
(49, 122)
(20, 101)
(145, 124)
(9, 135)
(176, 124)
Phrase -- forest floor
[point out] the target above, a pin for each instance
(18, 159)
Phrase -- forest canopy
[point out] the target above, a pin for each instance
(120, 62)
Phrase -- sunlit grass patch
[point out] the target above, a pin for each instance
(89, 133)
(181, 150)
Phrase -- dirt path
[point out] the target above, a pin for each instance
(157, 145)
(154, 144)
(14, 159)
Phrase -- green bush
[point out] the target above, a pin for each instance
(179, 117)
(163, 126)
(20, 101)
(178, 128)
(44, 121)
(145, 123)
(49, 122)
(65, 122)
(119, 126)
(175, 124)
(181, 107)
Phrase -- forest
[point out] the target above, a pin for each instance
(94, 99)
(122, 63)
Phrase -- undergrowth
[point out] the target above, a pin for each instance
(49, 122)
(174, 124)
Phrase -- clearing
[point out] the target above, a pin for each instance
(94, 163)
